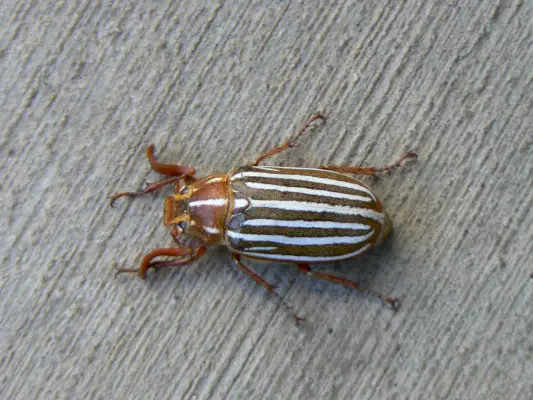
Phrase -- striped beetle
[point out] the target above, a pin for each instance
(267, 213)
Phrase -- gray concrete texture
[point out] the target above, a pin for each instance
(87, 85)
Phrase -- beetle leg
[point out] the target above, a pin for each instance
(176, 235)
(184, 254)
(148, 189)
(258, 279)
(157, 265)
(392, 301)
(369, 170)
(174, 171)
(167, 169)
(289, 143)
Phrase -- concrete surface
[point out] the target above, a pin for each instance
(87, 85)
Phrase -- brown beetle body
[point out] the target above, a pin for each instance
(291, 215)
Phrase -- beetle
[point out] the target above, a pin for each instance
(300, 216)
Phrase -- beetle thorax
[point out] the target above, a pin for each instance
(200, 208)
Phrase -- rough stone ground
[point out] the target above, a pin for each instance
(87, 85)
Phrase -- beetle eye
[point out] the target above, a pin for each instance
(182, 225)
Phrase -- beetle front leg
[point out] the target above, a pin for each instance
(258, 279)
(392, 301)
(184, 254)
(289, 143)
(174, 171)
(148, 189)
(369, 170)
(167, 169)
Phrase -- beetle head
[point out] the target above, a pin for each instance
(198, 209)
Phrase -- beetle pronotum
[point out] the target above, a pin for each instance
(289, 215)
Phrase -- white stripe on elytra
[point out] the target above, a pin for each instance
(209, 202)
(318, 208)
(304, 178)
(240, 203)
(274, 169)
(263, 248)
(303, 241)
(306, 224)
(295, 258)
(314, 192)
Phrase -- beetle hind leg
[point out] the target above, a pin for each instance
(392, 301)
(258, 279)
(369, 170)
(289, 143)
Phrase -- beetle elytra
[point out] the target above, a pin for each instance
(281, 214)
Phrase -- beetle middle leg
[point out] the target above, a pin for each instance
(289, 143)
(392, 301)
(369, 170)
(184, 255)
(174, 171)
(258, 279)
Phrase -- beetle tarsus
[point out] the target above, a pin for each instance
(271, 288)
(126, 270)
(373, 171)
(291, 142)
(394, 302)
(149, 189)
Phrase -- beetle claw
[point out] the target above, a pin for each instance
(112, 199)
(126, 270)
(394, 303)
